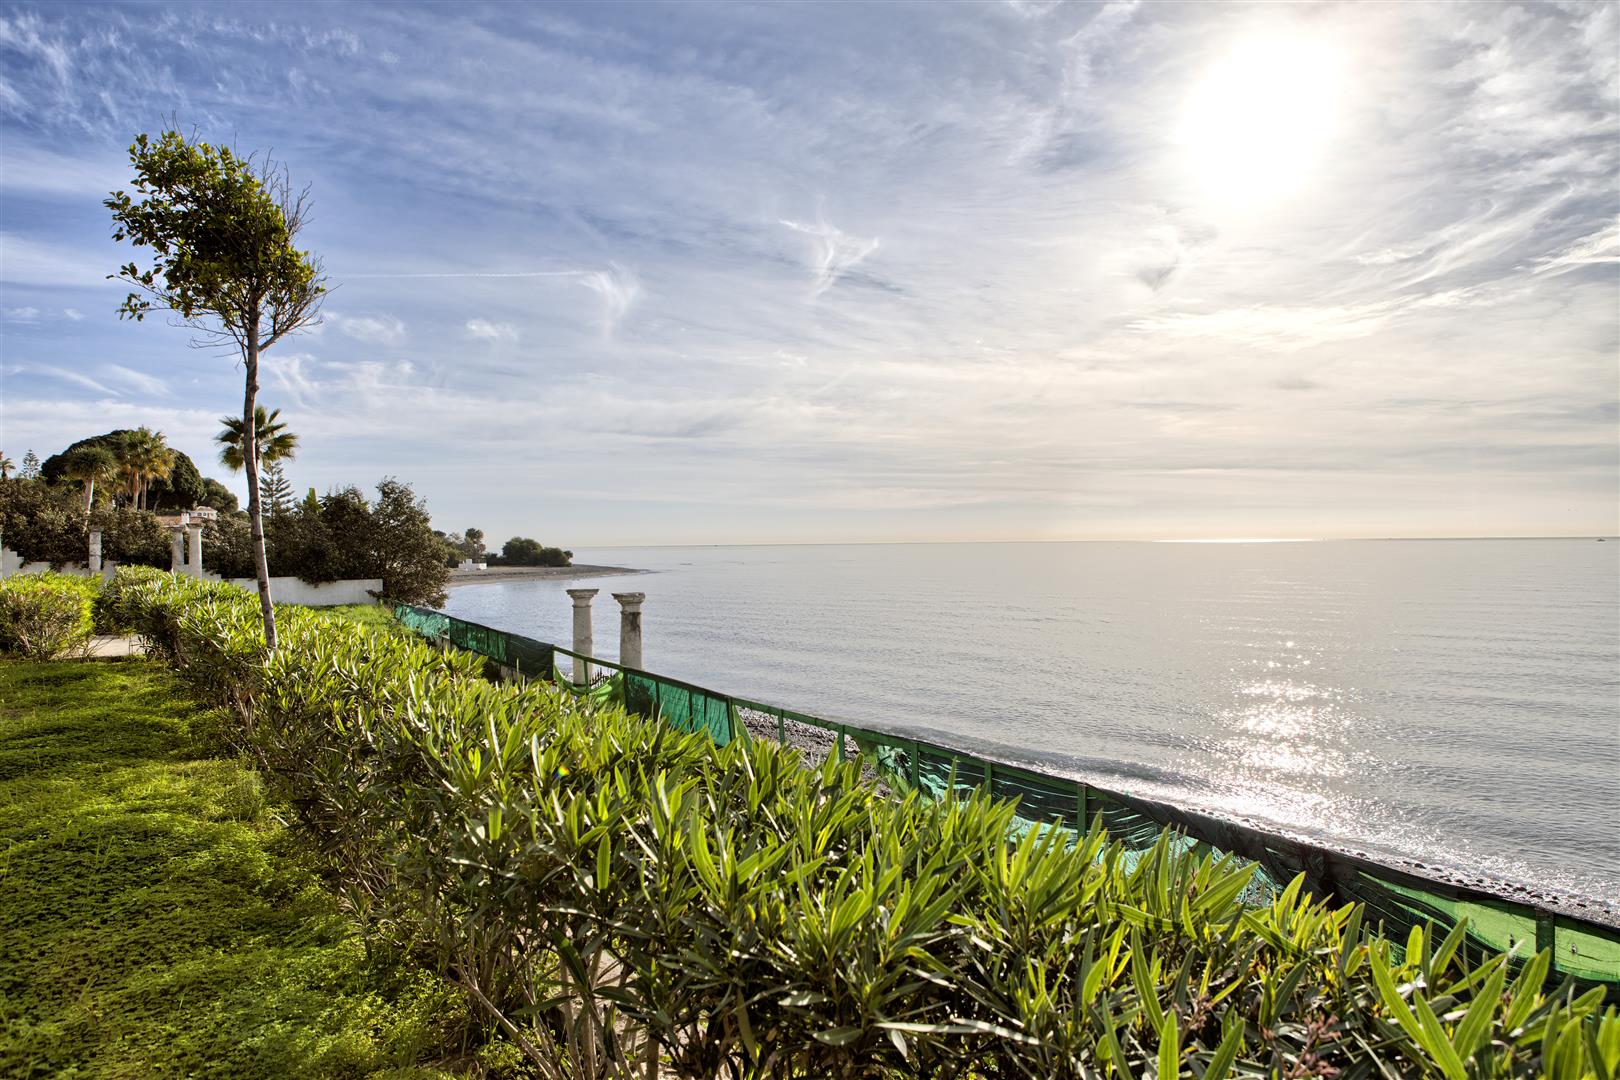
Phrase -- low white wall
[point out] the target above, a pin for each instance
(284, 590)
(11, 563)
(290, 590)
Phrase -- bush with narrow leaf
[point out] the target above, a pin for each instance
(43, 616)
(623, 899)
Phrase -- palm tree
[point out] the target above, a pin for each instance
(90, 465)
(5, 466)
(145, 457)
(274, 441)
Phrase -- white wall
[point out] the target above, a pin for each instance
(290, 590)
(11, 563)
(284, 590)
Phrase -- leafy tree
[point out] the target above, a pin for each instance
(223, 232)
(275, 490)
(521, 551)
(275, 442)
(181, 489)
(30, 467)
(408, 556)
(42, 523)
(311, 503)
(130, 536)
(218, 496)
(342, 536)
(228, 547)
(47, 524)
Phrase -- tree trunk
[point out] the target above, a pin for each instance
(250, 462)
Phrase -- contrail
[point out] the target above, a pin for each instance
(478, 273)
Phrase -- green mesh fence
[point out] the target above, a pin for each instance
(1583, 949)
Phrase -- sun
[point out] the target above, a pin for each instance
(1257, 124)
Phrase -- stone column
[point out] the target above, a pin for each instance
(582, 633)
(177, 549)
(630, 628)
(95, 551)
(196, 550)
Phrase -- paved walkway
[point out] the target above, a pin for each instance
(114, 646)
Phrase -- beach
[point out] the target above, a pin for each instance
(536, 573)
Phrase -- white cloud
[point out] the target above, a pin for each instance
(485, 330)
(833, 252)
(618, 288)
(371, 329)
(22, 314)
(1596, 248)
(139, 381)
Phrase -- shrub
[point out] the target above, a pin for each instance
(522, 551)
(617, 895)
(43, 616)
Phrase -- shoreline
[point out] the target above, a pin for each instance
(536, 573)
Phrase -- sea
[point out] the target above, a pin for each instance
(1450, 702)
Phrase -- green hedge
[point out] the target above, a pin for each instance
(43, 616)
(615, 894)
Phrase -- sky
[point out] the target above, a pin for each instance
(733, 273)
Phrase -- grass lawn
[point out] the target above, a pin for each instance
(157, 920)
(370, 616)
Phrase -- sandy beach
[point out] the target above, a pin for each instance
(536, 573)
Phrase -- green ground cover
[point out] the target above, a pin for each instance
(155, 917)
(373, 617)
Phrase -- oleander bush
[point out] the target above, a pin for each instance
(43, 616)
(626, 900)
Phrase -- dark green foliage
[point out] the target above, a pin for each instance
(275, 489)
(182, 489)
(131, 537)
(46, 524)
(218, 496)
(227, 547)
(615, 893)
(343, 537)
(43, 523)
(156, 921)
(521, 551)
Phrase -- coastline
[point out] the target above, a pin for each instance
(536, 573)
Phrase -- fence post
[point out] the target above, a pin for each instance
(630, 628)
(582, 633)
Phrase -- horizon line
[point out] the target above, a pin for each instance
(1117, 540)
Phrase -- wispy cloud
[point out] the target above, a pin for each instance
(486, 330)
(618, 289)
(1595, 249)
(371, 329)
(833, 252)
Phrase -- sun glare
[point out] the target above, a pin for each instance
(1258, 121)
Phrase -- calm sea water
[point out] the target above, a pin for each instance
(1455, 702)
